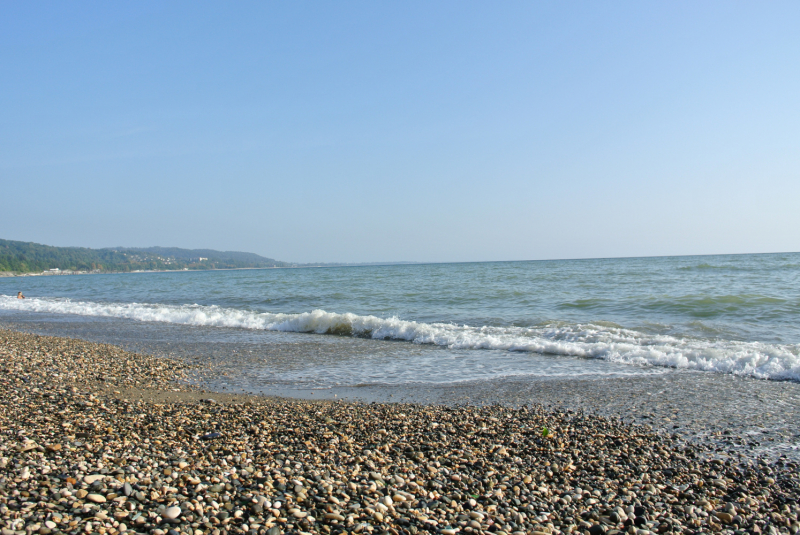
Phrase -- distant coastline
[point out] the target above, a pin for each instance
(34, 259)
(298, 266)
(69, 273)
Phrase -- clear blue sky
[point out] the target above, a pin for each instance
(381, 131)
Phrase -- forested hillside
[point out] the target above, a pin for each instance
(28, 257)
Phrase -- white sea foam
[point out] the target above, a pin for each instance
(762, 360)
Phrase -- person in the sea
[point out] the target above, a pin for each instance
(20, 296)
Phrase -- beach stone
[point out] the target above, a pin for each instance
(96, 498)
(727, 518)
(127, 489)
(93, 478)
(171, 513)
(274, 530)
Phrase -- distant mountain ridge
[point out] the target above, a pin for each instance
(29, 257)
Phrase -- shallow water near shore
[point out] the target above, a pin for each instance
(717, 337)
(737, 314)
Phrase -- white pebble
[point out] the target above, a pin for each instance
(171, 513)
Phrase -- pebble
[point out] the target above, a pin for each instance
(727, 518)
(277, 465)
(171, 513)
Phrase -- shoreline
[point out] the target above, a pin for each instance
(756, 417)
(99, 440)
(61, 274)
(11, 274)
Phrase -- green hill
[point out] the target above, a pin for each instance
(28, 257)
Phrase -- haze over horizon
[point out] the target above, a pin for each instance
(363, 132)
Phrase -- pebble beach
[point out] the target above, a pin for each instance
(95, 439)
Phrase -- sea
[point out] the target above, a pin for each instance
(328, 327)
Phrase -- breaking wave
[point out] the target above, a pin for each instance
(586, 340)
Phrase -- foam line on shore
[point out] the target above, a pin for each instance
(616, 344)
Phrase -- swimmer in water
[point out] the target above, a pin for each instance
(20, 296)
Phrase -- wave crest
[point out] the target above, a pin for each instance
(616, 344)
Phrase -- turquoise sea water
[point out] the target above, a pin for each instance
(443, 323)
